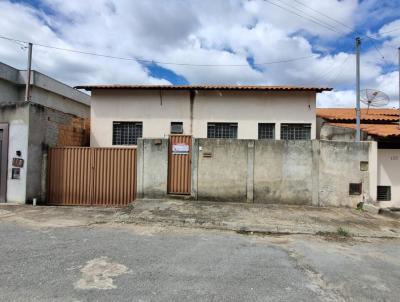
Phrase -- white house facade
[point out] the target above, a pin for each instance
(122, 113)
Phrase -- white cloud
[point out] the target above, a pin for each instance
(345, 98)
(200, 32)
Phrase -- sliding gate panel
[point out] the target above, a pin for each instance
(91, 176)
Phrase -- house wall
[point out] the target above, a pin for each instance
(56, 115)
(389, 174)
(335, 133)
(157, 112)
(58, 102)
(32, 129)
(50, 128)
(387, 168)
(276, 172)
(8, 91)
(17, 117)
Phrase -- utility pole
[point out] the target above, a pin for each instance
(28, 74)
(358, 113)
(399, 87)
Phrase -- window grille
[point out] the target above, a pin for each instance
(176, 127)
(222, 130)
(295, 131)
(266, 131)
(126, 133)
(384, 193)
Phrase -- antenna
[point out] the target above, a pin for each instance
(374, 98)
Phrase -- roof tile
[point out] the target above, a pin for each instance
(383, 130)
(349, 114)
(205, 87)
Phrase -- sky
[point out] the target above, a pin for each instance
(259, 42)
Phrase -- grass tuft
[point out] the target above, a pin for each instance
(343, 232)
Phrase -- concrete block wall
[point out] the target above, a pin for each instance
(223, 176)
(283, 172)
(152, 168)
(340, 165)
(276, 172)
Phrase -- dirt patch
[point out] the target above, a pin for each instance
(99, 273)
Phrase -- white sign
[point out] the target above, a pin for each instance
(180, 148)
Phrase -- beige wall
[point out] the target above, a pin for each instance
(389, 173)
(244, 107)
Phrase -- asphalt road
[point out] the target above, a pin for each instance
(138, 263)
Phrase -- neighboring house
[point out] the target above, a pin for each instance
(55, 115)
(381, 125)
(120, 114)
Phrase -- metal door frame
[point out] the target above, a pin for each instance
(4, 163)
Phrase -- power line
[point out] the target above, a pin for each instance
(159, 62)
(390, 31)
(309, 18)
(337, 21)
(325, 15)
(327, 74)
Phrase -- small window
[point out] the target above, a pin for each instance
(296, 131)
(355, 189)
(126, 133)
(384, 193)
(266, 131)
(363, 166)
(176, 127)
(222, 130)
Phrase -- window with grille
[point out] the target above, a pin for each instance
(355, 189)
(222, 130)
(295, 131)
(384, 193)
(266, 131)
(176, 127)
(126, 133)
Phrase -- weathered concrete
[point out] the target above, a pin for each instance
(339, 166)
(283, 172)
(16, 80)
(56, 115)
(261, 218)
(152, 168)
(267, 171)
(222, 170)
(335, 133)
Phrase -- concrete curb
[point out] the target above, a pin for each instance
(251, 229)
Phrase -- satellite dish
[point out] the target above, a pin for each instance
(374, 98)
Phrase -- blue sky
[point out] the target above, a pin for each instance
(313, 40)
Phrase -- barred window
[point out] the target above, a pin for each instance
(266, 131)
(222, 130)
(295, 131)
(126, 133)
(384, 193)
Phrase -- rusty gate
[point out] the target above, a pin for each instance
(180, 164)
(91, 176)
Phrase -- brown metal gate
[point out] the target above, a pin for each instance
(91, 176)
(180, 164)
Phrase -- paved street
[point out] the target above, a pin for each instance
(115, 262)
